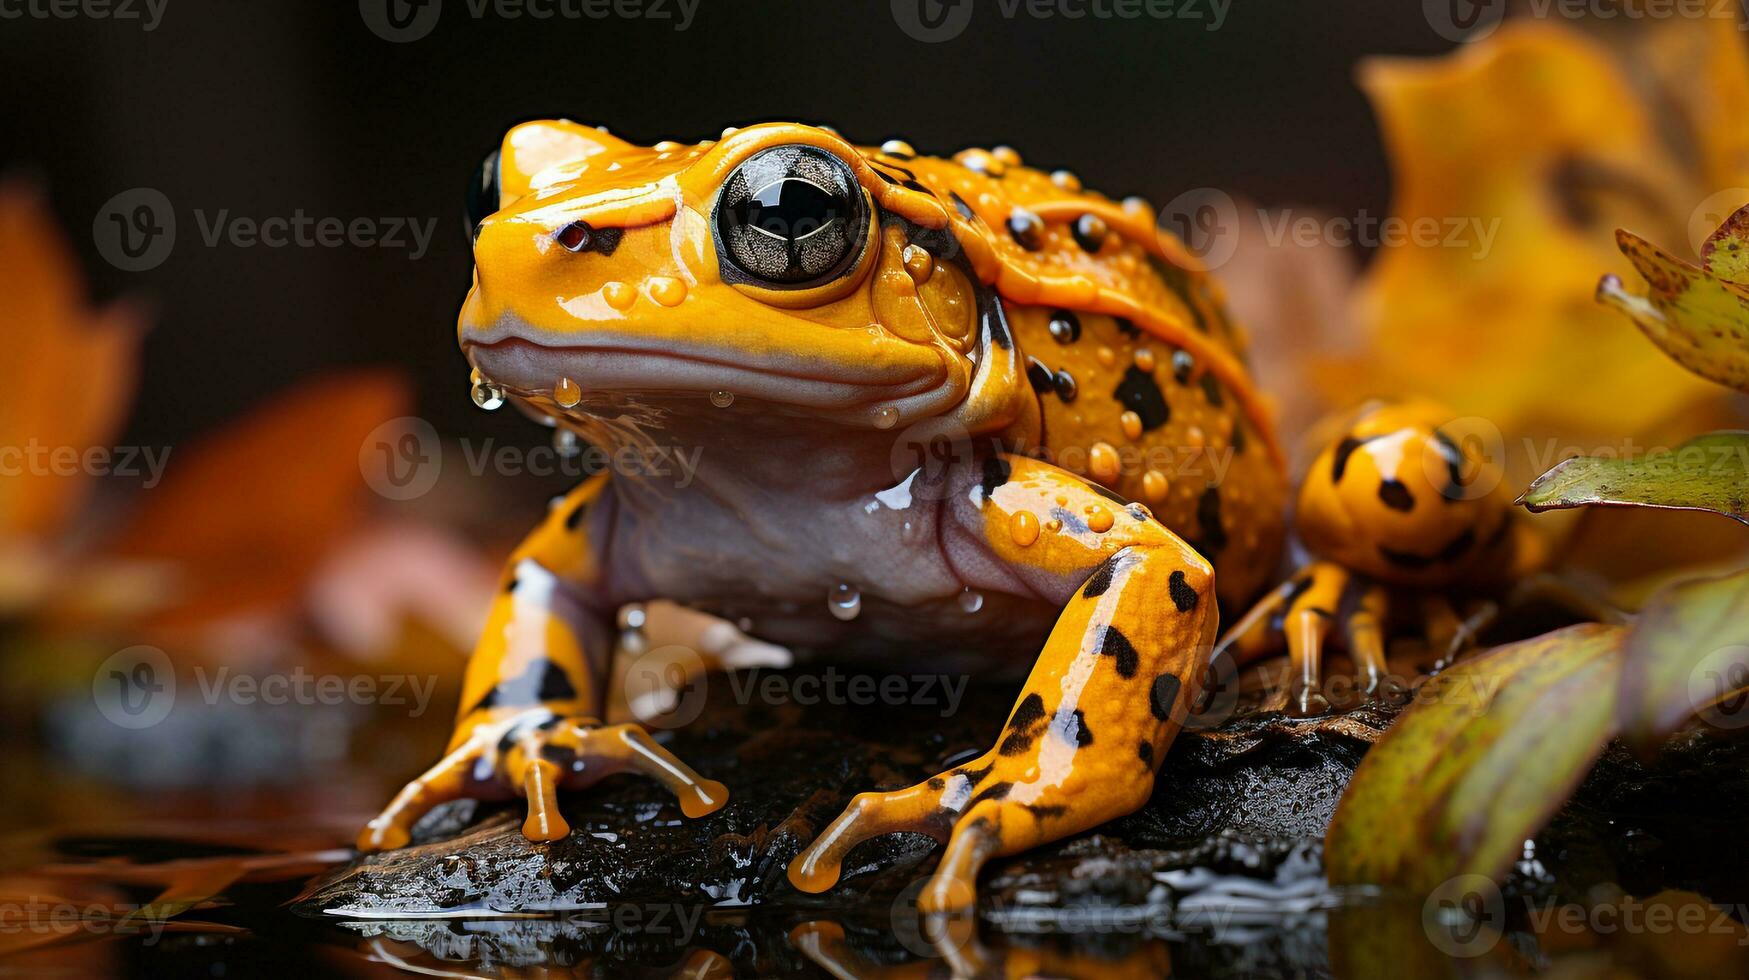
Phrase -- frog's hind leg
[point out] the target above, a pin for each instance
(1103, 701)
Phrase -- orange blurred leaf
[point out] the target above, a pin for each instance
(244, 516)
(70, 370)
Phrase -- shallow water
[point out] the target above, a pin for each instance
(102, 875)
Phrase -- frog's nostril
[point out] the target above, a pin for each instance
(581, 236)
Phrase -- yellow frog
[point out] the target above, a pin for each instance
(938, 403)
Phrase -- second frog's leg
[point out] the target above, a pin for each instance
(1103, 702)
(1306, 619)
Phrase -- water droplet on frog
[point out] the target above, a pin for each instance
(887, 417)
(844, 601)
(567, 393)
(744, 624)
(566, 443)
(631, 628)
(486, 394)
(971, 600)
(722, 399)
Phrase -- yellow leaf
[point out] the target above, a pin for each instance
(1726, 251)
(1524, 150)
(1698, 319)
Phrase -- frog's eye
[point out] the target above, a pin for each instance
(483, 193)
(789, 217)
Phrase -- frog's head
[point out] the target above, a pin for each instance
(774, 265)
(1397, 498)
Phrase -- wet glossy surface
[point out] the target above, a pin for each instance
(1215, 877)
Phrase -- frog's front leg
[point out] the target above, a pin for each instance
(531, 698)
(1103, 701)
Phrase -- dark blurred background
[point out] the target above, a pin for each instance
(263, 109)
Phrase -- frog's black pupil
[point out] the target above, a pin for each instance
(789, 209)
(789, 217)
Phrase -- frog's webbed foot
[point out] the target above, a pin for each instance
(1300, 612)
(534, 754)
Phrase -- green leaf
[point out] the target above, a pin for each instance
(1709, 472)
(1488, 752)
(1687, 655)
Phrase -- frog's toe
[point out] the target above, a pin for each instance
(586, 752)
(393, 827)
(536, 754)
(989, 807)
(918, 809)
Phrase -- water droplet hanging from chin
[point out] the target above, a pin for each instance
(844, 601)
(486, 394)
(971, 600)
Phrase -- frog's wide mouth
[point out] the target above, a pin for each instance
(532, 369)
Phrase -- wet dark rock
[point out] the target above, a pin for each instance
(1244, 798)
(1219, 874)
